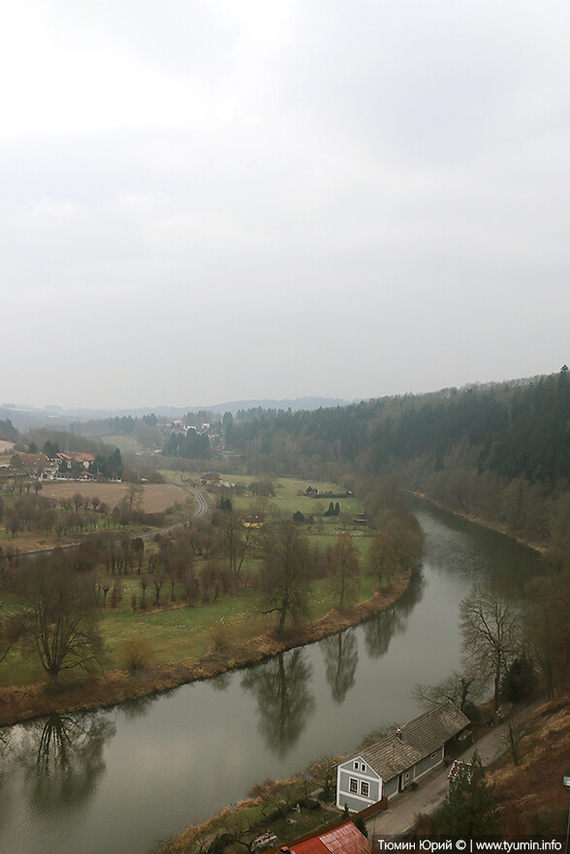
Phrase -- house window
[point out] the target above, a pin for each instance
(433, 756)
(407, 775)
(356, 766)
(353, 786)
(364, 789)
(363, 768)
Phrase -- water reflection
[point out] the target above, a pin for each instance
(141, 706)
(341, 660)
(60, 757)
(221, 682)
(284, 700)
(379, 630)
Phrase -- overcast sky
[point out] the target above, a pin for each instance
(220, 200)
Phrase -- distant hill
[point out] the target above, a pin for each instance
(25, 417)
(296, 404)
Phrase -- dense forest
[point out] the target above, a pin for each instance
(500, 452)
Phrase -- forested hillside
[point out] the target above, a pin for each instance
(500, 452)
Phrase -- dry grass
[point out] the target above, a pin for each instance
(156, 498)
(5, 446)
(530, 795)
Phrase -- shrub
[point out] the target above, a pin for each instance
(519, 681)
(220, 635)
(310, 804)
(137, 654)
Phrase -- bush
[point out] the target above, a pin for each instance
(309, 804)
(473, 712)
(220, 843)
(137, 654)
(220, 637)
(519, 681)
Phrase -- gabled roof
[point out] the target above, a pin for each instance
(346, 839)
(418, 738)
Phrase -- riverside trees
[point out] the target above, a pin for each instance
(285, 577)
(345, 569)
(490, 625)
(61, 617)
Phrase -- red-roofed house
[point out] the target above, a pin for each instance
(84, 459)
(345, 839)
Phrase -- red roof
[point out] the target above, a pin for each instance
(346, 839)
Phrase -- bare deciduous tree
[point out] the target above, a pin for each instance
(285, 577)
(460, 688)
(345, 568)
(64, 628)
(490, 625)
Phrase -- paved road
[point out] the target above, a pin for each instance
(432, 789)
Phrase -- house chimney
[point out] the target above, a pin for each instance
(399, 735)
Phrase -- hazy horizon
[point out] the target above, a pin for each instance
(296, 403)
(268, 201)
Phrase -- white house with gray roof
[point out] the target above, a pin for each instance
(393, 763)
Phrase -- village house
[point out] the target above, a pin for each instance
(390, 765)
(38, 465)
(211, 478)
(84, 460)
(345, 839)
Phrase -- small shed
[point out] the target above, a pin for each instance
(393, 763)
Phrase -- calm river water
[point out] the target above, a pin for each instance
(116, 781)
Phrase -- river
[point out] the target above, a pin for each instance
(118, 780)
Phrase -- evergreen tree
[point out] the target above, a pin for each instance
(469, 808)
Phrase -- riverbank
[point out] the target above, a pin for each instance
(18, 704)
(480, 521)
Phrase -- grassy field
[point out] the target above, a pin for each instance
(125, 444)
(175, 631)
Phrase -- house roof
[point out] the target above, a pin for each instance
(415, 740)
(346, 839)
(32, 459)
